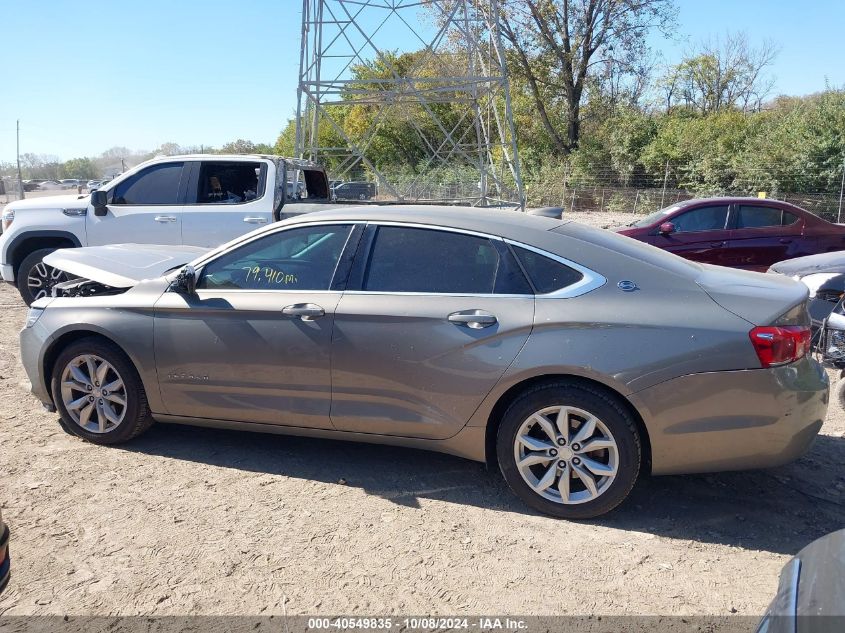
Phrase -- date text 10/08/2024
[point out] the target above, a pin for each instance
(421, 623)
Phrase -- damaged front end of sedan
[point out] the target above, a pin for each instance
(112, 270)
(78, 287)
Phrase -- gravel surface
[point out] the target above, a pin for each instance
(196, 521)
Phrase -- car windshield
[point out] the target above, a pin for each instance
(654, 217)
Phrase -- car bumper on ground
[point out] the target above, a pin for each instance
(5, 560)
(734, 420)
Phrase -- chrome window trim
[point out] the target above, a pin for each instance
(591, 280)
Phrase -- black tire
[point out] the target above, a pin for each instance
(29, 263)
(593, 400)
(136, 413)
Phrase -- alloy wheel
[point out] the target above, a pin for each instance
(41, 279)
(93, 393)
(566, 455)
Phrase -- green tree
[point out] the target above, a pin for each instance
(82, 168)
(559, 45)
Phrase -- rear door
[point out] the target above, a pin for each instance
(761, 235)
(145, 208)
(430, 321)
(225, 199)
(701, 234)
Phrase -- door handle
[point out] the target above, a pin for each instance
(254, 220)
(165, 218)
(475, 319)
(305, 311)
(716, 244)
(783, 240)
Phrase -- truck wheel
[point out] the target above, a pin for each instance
(36, 279)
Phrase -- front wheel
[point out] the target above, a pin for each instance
(569, 450)
(35, 278)
(98, 393)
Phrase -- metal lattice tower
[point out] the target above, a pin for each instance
(454, 96)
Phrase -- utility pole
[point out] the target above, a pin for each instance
(20, 177)
(841, 190)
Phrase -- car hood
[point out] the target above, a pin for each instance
(122, 265)
(821, 263)
(74, 201)
(758, 298)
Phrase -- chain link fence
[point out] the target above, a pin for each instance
(9, 190)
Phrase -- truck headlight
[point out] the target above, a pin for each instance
(8, 217)
(32, 316)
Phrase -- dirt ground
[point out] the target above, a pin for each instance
(196, 521)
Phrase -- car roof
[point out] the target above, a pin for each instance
(734, 200)
(493, 221)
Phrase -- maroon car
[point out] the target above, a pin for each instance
(749, 233)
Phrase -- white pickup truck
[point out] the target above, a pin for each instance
(197, 200)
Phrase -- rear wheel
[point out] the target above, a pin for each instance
(36, 279)
(569, 450)
(98, 393)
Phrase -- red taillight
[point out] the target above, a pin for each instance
(780, 345)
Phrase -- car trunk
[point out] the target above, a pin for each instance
(758, 298)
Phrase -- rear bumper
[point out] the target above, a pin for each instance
(734, 420)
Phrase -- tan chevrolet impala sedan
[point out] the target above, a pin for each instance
(570, 358)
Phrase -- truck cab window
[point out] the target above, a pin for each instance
(222, 182)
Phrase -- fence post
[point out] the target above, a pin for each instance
(601, 209)
(665, 178)
(841, 189)
(563, 193)
(572, 203)
(636, 200)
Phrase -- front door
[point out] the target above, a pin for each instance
(700, 235)
(225, 199)
(253, 343)
(145, 208)
(424, 334)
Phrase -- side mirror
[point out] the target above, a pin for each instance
(666, 228)
(98, 201)
(186, 280)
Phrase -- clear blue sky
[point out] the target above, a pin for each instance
(86, 76)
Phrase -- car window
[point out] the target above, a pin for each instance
(158, 184)
(701, 219)
(427, 260)
(545, 273)
(748, 217)
(222, 182)
(297, 259)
